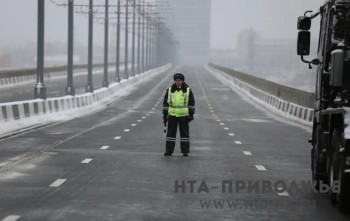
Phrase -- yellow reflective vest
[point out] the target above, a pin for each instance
(178, 103)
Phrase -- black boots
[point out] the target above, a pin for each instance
(169, 154)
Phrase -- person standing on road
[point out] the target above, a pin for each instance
(178, 110)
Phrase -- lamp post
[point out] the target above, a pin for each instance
(39, 89)
(89, 87)
(133, 38)
(70, 89)
(105, 74)
(126, 75)
(117, 72)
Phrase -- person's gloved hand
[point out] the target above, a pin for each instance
(165, 119)
(190, 118)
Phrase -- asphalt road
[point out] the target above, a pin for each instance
(109, 165)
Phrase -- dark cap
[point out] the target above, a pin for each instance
(179, 76)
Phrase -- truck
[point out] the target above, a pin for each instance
(330, 152)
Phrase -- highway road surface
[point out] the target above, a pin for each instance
(109, 165)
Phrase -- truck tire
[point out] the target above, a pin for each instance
(337, 166)
(317, 168)
(343, 197)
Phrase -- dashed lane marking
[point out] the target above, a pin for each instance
(11, 218)
(222, 124)
(139, 120)
(231, 134)
(127, 130)
(260, 167)
(153, 108)
(117, 138)
(218, 120)
(58, 183)
(238, 142)
(104, 147)
(226, 128)
(147, 114)
(133, 125)
(143, 117)
(87, 160)
(247, 153)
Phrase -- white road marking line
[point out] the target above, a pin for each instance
(143, 117)
(153, 108)
(58, 183)
(133, 125)
(139, 120)
(104, 147)
(260, 167)
(210, 108)
(127, 130)
(231, 134)
(247, 153)
(147, 114)
(87, 160)
(211, 111)
(226, 128)
(218, 120)
(238, 142)
(156, 105)
(11, 218)
(285, 193)
(117, 138)
(222, 124)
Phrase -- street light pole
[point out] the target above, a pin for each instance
(126, 76)
(70, 89)
(133, 38)
(89, 87)
(139, 40)
(117, 72)
(148, 38)
(105, 76)
(39, 89)
(143, 35)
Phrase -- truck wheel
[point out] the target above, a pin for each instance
(340, 195)
(317, 168)
(343, 197)
(333, 171)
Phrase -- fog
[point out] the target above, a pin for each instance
(268, 20)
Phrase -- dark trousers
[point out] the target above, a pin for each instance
(173, 122)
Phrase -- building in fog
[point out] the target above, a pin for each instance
(189, 21)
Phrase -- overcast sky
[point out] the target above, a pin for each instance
(273, 18)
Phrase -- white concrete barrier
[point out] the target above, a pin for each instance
(287, 110)
(61, 107)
